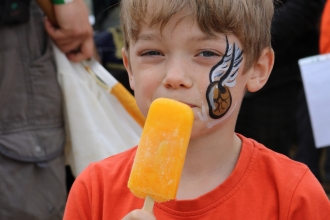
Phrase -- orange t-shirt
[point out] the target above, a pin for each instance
(325, 30)
(263, 185)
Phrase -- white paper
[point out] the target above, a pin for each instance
(315, 73)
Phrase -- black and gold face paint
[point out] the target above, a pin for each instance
(222, 76)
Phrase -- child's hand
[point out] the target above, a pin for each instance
(139, 214)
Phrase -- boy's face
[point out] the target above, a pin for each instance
(182, 63)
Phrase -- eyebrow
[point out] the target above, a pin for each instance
(202, 38)
(150, 37)
(156, 37)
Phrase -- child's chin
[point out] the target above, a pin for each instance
(198, 130)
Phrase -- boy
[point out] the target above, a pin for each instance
(205, 54)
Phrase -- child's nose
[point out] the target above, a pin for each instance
(177, 75)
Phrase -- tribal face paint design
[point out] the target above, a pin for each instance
(222, 76)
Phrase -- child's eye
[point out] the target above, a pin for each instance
(151, 53)
(207, 54)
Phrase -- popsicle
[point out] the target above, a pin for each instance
(160, 155)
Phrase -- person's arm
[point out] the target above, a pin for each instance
(74, 33)
(325, 30)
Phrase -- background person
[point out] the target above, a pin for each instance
(32, 136)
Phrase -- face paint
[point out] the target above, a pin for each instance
(203, 116)
(222, 76)
(212, 123)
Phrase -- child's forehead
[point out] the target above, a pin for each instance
(185, 27)
(154, 16)
(154, 33)
(157, 20)
(179, 22)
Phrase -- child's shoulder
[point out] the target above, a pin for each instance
(273, 164)
(275, 179)
(269, 170)
(277, 159)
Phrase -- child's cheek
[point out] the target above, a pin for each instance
(222, 78)
(220, 100)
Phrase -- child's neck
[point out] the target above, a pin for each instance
(206, 167)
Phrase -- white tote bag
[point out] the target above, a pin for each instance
(101, 116)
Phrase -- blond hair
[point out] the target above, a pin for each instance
(248, 20)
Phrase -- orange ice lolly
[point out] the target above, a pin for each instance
(160, 156)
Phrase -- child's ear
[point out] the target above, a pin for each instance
(128, 67)
(261, 70)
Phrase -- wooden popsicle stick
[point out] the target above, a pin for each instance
(148, 204)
